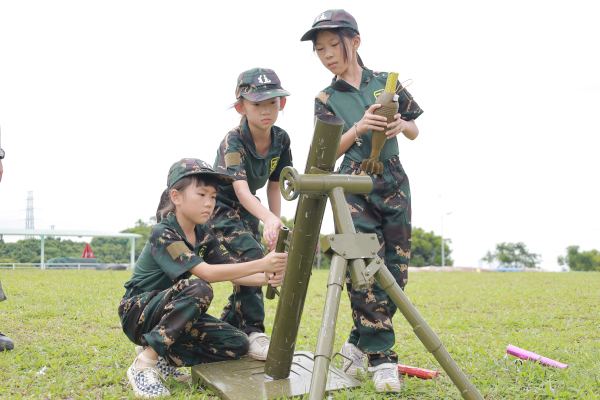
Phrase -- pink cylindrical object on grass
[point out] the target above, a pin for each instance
(528, 355)
(418, 372)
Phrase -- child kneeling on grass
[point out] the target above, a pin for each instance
(163, 310)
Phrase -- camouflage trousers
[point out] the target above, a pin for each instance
(2, 294)
(175, 324)
(386, 212)
(237, 229)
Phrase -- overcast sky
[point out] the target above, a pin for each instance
(98, 99)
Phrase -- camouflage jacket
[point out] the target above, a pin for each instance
(168, 255)
(237, 157)
(345, 101)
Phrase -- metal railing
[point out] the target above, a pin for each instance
(47, 266)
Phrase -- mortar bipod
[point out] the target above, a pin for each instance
(353, 250)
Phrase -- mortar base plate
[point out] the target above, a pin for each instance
(245, 379)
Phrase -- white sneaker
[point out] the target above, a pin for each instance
(259, 346)
(358, 359)
(385, 377)
(165, 369)
(145, 382)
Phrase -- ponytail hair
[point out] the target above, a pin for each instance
(164, 206)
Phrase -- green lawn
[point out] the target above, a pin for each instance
(67, 321)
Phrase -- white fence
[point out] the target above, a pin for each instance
(47, 266)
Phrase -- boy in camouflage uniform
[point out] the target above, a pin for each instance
(163, 310)
(253, 153)
(386, 210)
(5, 342)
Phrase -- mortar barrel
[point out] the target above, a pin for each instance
(307, 226)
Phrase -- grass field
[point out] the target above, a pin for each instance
(67, 321)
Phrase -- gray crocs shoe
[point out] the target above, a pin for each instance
(5, 342)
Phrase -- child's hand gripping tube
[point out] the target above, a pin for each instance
(279, 248)
(389, 107)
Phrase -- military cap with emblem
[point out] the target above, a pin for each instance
(259, 84)
(331, 19)
(192, 166)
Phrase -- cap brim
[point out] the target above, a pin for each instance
(265, 95)
(222, 179)
(308, 35)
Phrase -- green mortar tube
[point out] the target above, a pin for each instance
(307, 226)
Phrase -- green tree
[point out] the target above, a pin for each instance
(427, 249)
(580, 261)
(29, 250)
(116, 250)
(513, 255)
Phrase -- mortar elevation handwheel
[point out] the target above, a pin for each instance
(289, 183)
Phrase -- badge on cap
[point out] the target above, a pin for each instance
(203, 164)
(324, 16)
(264, 79)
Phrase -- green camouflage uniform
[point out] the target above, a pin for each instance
(164, 308)
(235, 226)
(385, 211)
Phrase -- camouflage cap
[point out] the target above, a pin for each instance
(191, 166)
(259, 84)
(331, 19)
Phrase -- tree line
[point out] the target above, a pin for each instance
(426, 248)
(106, 250)
(516, 255)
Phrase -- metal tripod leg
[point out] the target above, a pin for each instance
(326, 336)
(426, 335)
(324, 349)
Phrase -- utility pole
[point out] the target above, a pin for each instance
(29, 215)
(443, 215)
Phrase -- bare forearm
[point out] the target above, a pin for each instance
(252, 280)
(249, 201)
(411, 131)
(346, 142)
(274, 198)
(227, 272)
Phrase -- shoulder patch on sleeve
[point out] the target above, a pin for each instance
(322, 97)
(232, 159)
(176, 249)
(221, 250)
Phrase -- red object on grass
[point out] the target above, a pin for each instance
(418, 372)
(87, 252)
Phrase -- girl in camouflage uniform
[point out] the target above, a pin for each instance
(386, 210)
(253, 153)
(163, 310)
